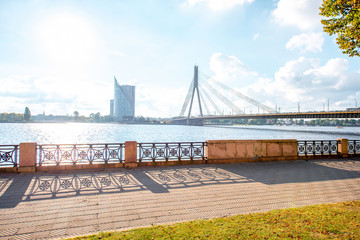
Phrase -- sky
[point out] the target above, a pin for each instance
(61, 56)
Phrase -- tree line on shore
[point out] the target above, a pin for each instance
(98, 118)
(75, 117)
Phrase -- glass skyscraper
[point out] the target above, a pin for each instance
(122, 107)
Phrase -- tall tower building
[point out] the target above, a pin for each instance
(112, 107)
(123, 106)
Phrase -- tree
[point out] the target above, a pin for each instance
(27, 114)
(76, 115)
(342, 17)
(97, 117)
(91, 117)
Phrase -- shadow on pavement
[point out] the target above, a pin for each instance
(297, 171)
(15, 188)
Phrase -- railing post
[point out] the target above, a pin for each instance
(131, 154)
(27, 162)
(343, 146)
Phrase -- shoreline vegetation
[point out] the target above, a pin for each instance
(98, 118)
(26, 117)
(324, 221)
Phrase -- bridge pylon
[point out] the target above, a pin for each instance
(194, 88)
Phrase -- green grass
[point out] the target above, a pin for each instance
(326, 221)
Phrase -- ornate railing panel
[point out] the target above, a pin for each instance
(323, 147)
(354, 146)
(62, 154)
(9, 155)
(171, 151)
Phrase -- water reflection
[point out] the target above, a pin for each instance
(15, 133)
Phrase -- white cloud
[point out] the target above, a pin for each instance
(52, 95)
(304, 79)
(256, 36)
(229, 68)
(303, 14)
(155, 101)
(306, 42)
(218, 5)
(311, 83)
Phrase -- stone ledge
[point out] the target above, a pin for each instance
(9, 170)
(79, 167)
(27, 169)
(172, 163)
(131, 165)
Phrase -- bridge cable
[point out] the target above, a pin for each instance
(187, 99)
(222, 98)
(244, 97)
(205, 105)
(217, 109)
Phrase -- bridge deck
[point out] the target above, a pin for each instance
(301, 115)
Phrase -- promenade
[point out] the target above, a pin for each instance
(60, 205)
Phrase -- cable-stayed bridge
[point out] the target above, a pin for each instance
(212, 97)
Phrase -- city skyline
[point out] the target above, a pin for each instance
(60, 56)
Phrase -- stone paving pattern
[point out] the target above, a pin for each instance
(59, 205)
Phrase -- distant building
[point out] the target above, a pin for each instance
(122, 107)
(112, 107)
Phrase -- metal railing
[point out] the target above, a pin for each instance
(62, 154)
(318, 147)
(354, 146)
(9, 155)
(171, 151)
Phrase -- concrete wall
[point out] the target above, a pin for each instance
(219, 151)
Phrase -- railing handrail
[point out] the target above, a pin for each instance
(56, 154)
(106, 153)
(12, 159)
(317, 147)
(319, 140)
(170, 142)
(164, 151)
(72, 144)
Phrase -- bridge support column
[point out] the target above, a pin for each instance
(194, 122)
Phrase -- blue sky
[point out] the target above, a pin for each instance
(61, 56)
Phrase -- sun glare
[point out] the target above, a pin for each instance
(67, 38)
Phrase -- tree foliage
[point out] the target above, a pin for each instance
(27, 114)
(342, 17)
(76, 115)
(11, 117)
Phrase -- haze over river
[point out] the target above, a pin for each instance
(50, 133)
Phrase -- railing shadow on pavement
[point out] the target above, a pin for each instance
(15, 188)
(40, 186)
(301, 171)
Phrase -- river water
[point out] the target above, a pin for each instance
(50, 133)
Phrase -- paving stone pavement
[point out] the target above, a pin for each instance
(60, 205)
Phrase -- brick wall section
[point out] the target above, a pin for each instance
(343, 146)
(251, 150)
(131, 154)
(27, 161)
